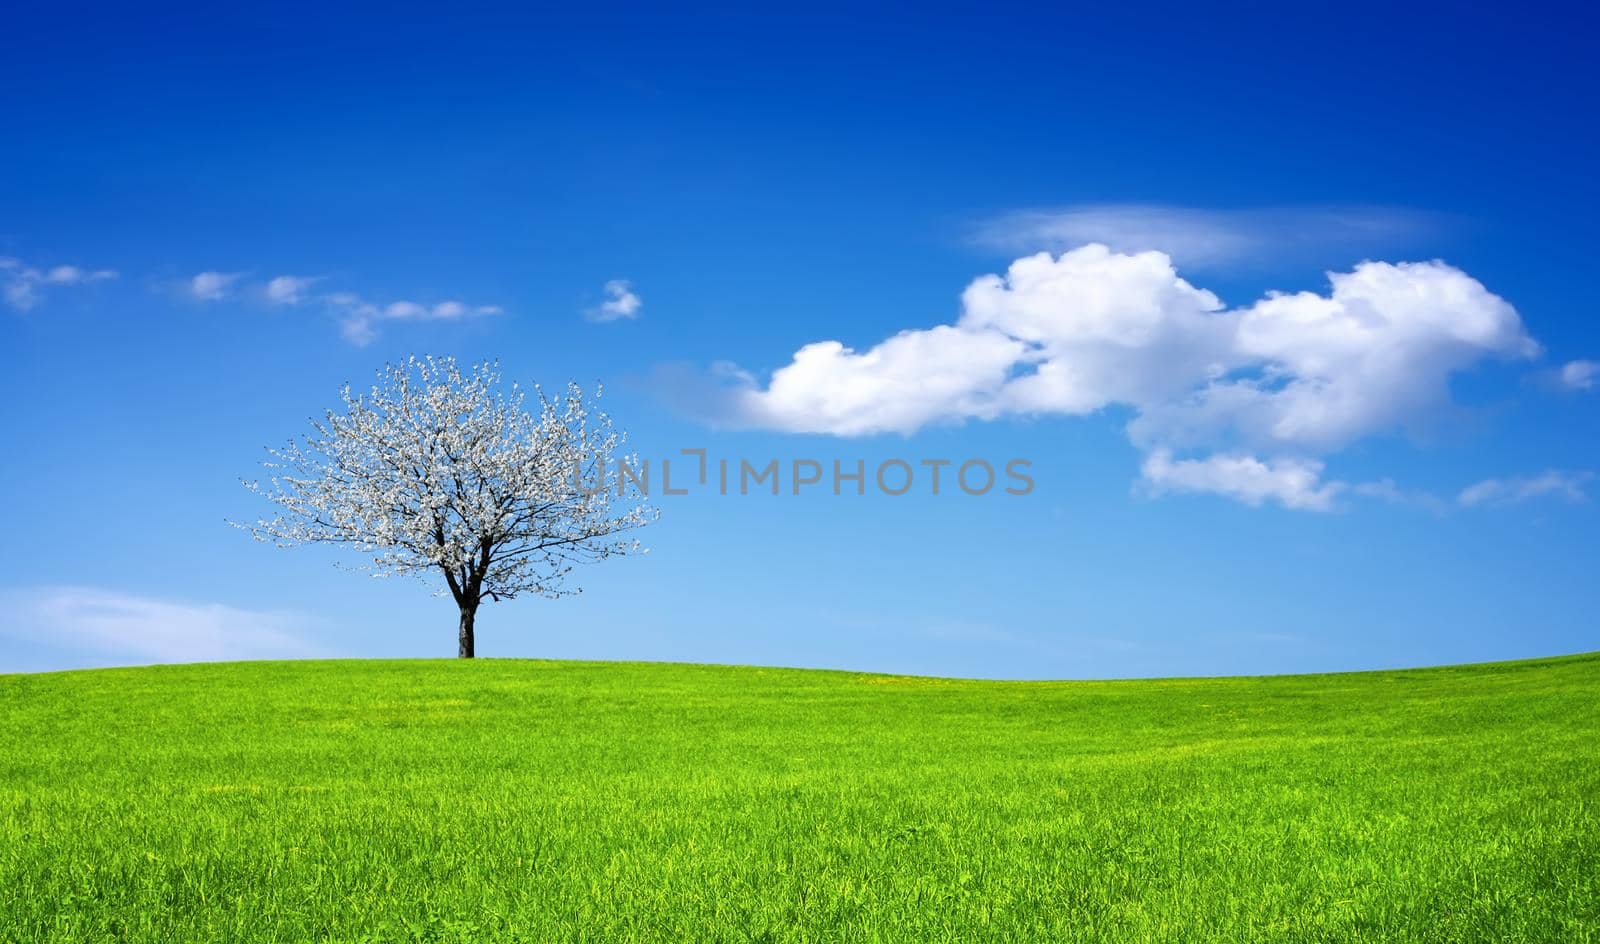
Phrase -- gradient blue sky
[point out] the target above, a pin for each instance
(762, 182)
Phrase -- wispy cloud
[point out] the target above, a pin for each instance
(1293, 483)
(1387, 491)
(360, 319)
(1208, 238)
(21, 284)
(620, 303)
(213, 286)
(1578, 375)
(289, 289)
(110, 627)
(1563, 486)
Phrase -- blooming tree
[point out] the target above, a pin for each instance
(435, 471)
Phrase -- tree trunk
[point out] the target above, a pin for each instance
(467, 615)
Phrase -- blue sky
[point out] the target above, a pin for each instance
(766, 182)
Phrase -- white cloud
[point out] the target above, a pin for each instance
(1292, 376)
(403, 310)
(1294, 483)
(1579, 375)
(910, 380)
(21, 286)
(620, 303)
(1317, 372)
(1567, 486)
(20, 283)
(213, 286)
(360, 318)
(1203, 237)
(21, 294)
(65, 275)
(289, 289)
(113, 627)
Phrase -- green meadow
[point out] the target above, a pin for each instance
(499, 800)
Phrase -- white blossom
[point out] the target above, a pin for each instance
(432, 471)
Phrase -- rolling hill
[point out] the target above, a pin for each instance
(501, 800)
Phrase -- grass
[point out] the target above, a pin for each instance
(551, 801)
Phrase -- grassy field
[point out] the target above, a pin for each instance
(545, 801)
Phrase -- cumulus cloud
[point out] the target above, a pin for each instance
(1207, 237)
(621, 303)
(1565, 486)
(1579, 375)
(360, 319)
(289, 289)
(910, 380)
(1293, 376)
(111, 627)
(21, 284)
